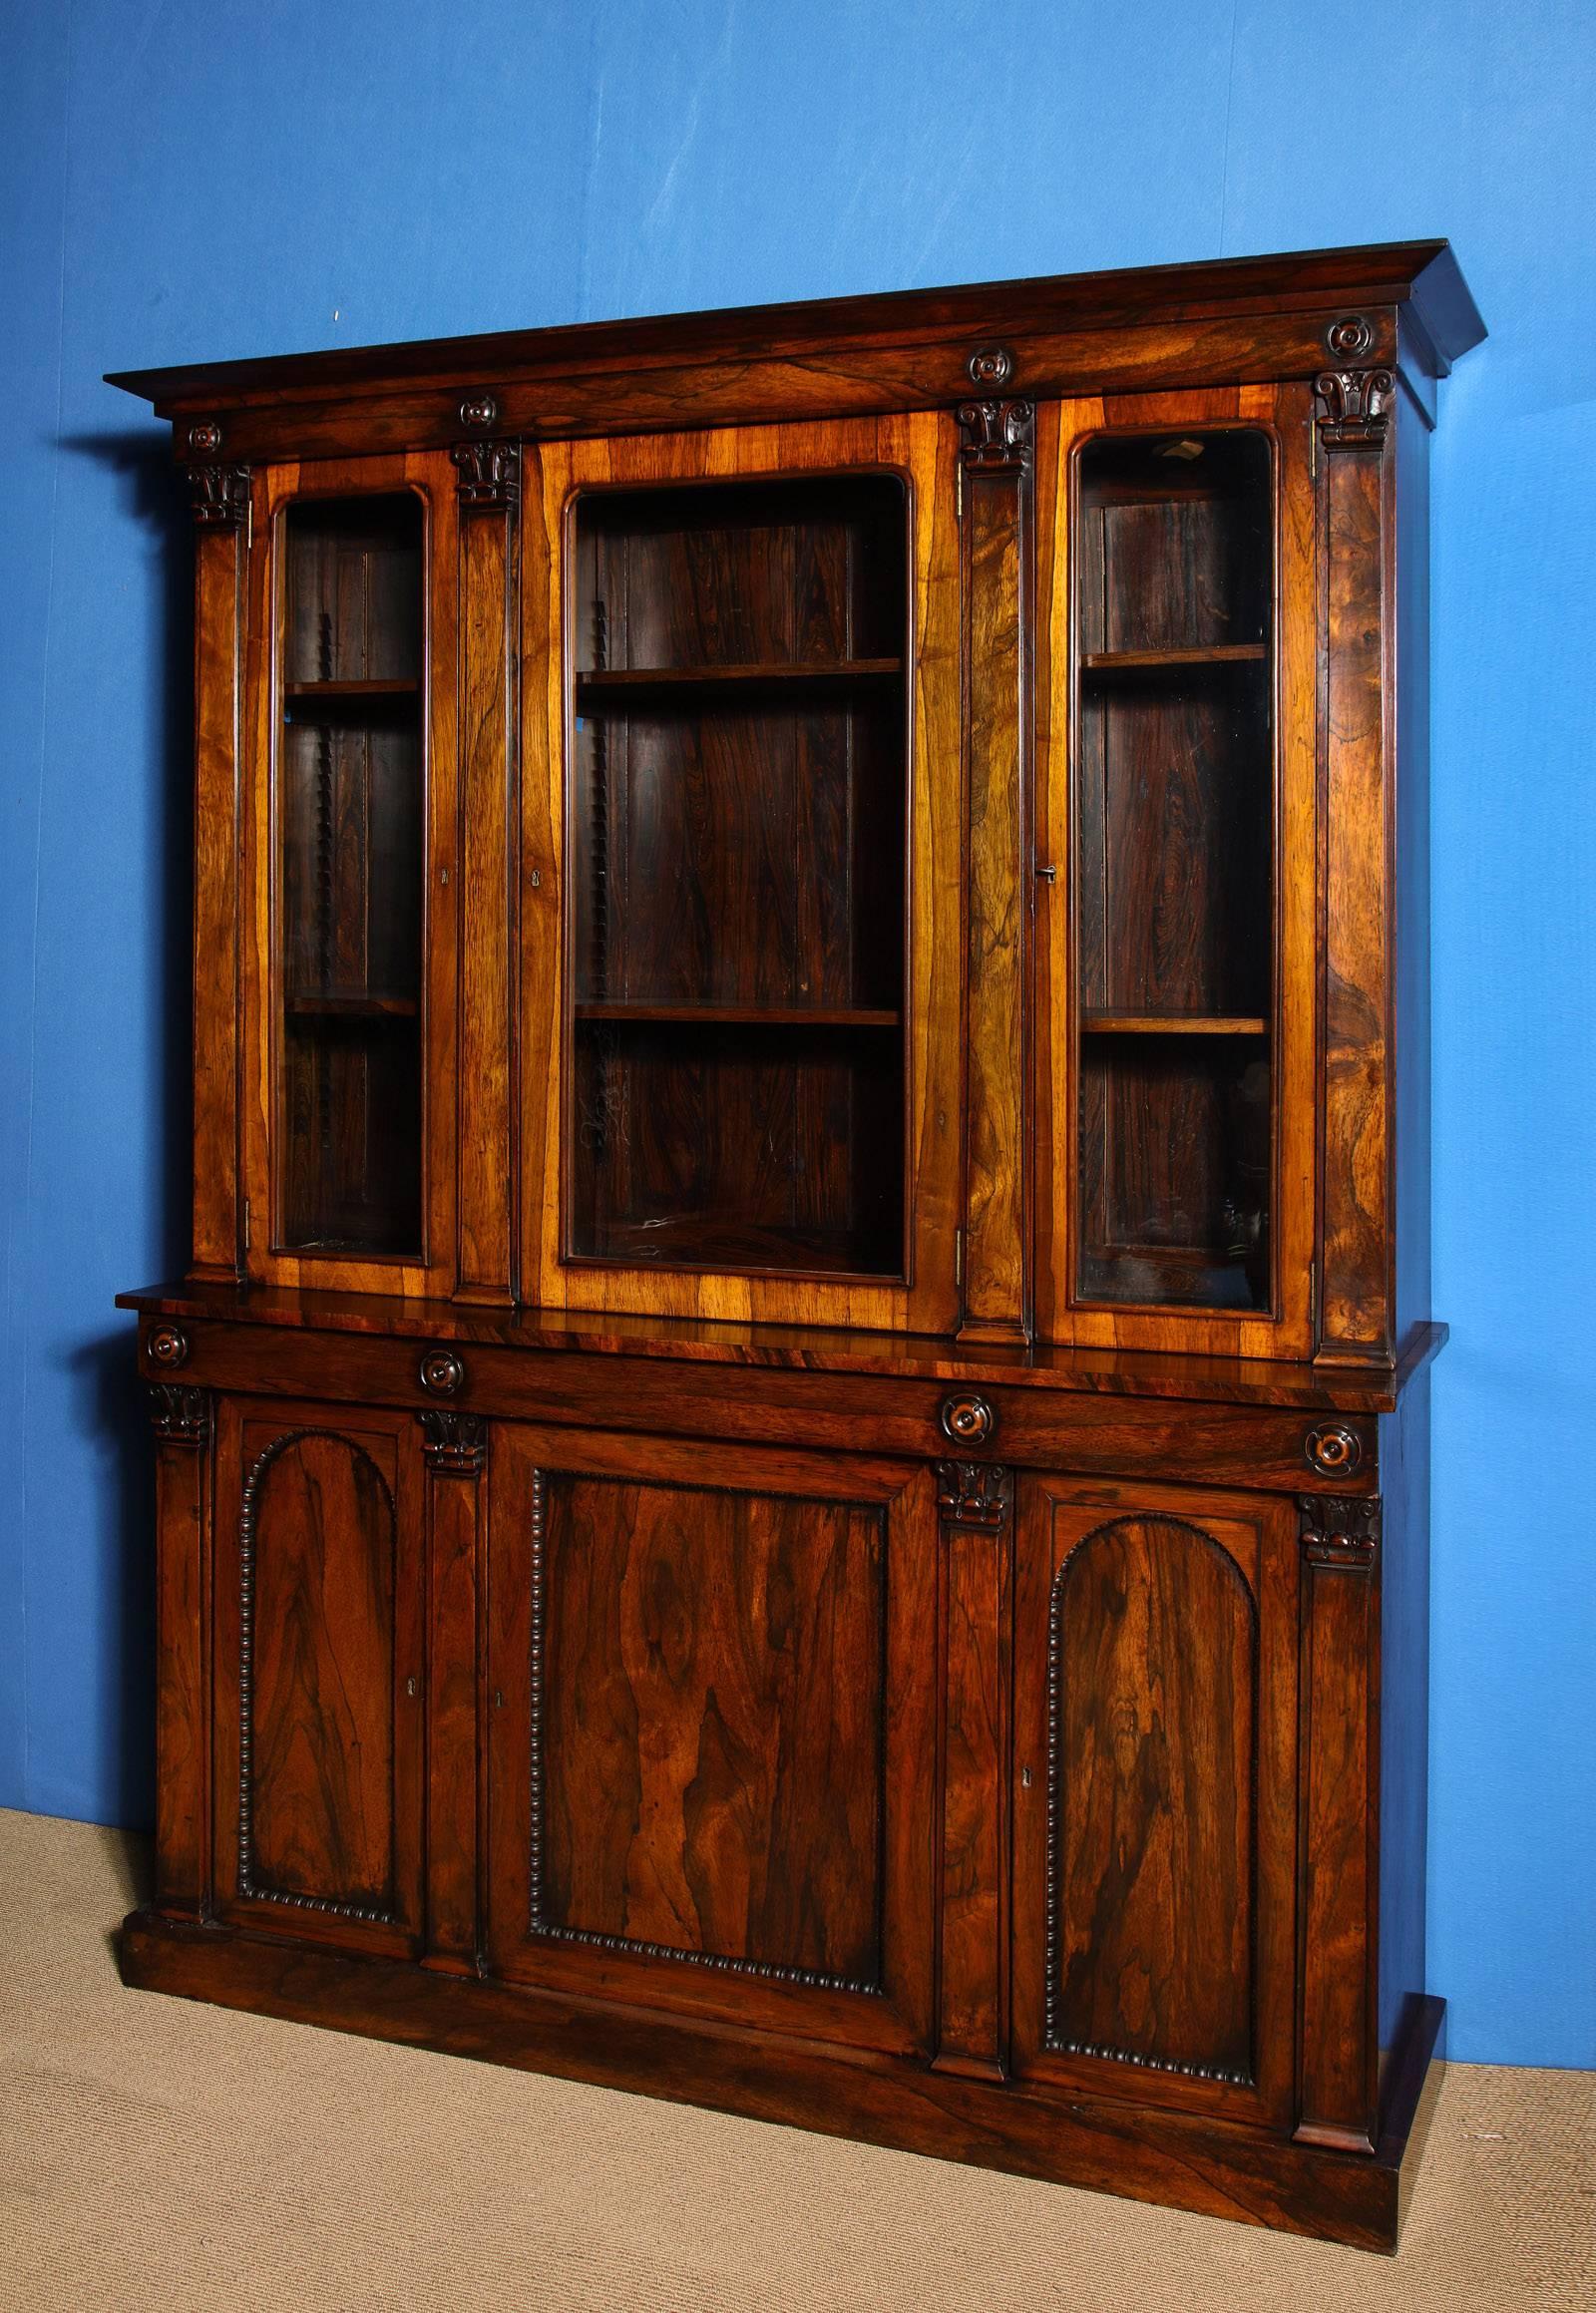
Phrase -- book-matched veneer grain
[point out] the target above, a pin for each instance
(219, 646)
(488, 894)
(995, 453)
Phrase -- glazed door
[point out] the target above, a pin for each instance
(740, 874)
(319, 1656)
(1155, 1716)
(711, 1730)
(1176, 889)
(349, 841)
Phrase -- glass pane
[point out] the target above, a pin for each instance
(739, 834)
(350, 772)
(1174, 851)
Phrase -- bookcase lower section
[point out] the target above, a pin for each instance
(850, 1750)
(1216, 2169)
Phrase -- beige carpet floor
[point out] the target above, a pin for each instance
(155, 2153)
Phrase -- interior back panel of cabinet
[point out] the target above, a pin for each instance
(755, 855)
(1174, 1152)
(746, 574)
(1174, 846)
(351, 848)
(739, 845)
(724, 1147)
(351, 858)
(353, 611)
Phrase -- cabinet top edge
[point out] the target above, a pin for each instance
(799, 1348)
(1422, 275)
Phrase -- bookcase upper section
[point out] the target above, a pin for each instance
(903, 813)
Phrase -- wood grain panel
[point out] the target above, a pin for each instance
(456, 1452)
(321, 1569)
(998, 588)
(1154, 1657)
(974, 1503)
(702, 1701)
(710, 1749)
(318, 1654)
(1356, 1311)
(1155, 1796)
(219, 663)
(487, 705)
(1339, 1832)
(1411, 916)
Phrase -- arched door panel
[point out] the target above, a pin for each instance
(1155, 1685)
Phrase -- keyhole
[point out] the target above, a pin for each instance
(1024, 1777)
(410, 1685)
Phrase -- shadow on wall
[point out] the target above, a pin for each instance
(109, 1410)
(109, 1399)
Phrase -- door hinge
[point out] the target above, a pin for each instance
(247, 1223)
(1313, 1306)
(958, 1256)
(959, 491)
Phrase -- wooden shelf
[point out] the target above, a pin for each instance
(729, 1241)
(1155, 662)
(346, 1248)
(741, 1015)
(349, 1006)
(354, 693)
(389, 703)
(1172, 1025)
(661, 682)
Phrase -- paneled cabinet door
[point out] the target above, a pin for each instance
(1155, 1716)
(712, 1731)
(318, 1672)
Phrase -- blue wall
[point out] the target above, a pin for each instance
(185, 182)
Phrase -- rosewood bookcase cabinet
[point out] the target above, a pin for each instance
(792, 1468)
